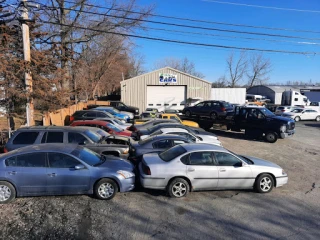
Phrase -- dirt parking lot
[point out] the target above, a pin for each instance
(289, 212)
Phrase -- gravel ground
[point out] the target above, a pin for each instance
(289, 212)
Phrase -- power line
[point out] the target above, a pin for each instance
(182, 42)
(198, 20)
(186, 26)
(259, 6)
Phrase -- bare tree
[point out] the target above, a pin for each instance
(183, 65)
(136, 67)
(220, 83)
(259, 69)
(237, 68)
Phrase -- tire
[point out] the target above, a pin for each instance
(318, 118)
(188, 113)
(271, 137)
(264, 183)
(297, 119)
(105, 189)
(178, 188)
(7, 192)
(213, 116)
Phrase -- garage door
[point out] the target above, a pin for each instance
(166, 97)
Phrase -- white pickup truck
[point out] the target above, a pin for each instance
(314, 106)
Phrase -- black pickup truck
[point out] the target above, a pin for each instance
(260, 122)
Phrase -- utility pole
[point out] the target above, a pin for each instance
(27, 57)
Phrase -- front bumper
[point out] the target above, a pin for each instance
(281, 181)
(127, 184)
(289, 133)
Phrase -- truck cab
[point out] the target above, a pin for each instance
(260, 122)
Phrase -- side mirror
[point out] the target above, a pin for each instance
(79, 167)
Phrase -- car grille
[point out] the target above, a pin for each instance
(291, 126)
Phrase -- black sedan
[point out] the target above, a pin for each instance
(152, 144)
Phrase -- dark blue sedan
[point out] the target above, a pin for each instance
(62, 169)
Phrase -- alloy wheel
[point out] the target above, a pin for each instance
(179, 189)
(106, 190)
(265, 184)
(5, 193)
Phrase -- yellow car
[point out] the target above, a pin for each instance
(175, 116)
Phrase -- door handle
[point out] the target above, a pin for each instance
(223, 170)
(51, 174)
(191, 169)
(12, 173)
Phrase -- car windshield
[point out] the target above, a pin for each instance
(266, 112)
(297, 110)
(146, 140)
(227, 105)
(113, 127)
(172, 153)
(103, 133)
(95, 137)
(116, 110)
(89, 157)
(118, 122)
(156, 133)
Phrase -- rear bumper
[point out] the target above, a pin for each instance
(290, 133)
(282, 181)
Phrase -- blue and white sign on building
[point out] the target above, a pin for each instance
(167, 78)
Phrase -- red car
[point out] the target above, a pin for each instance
(108, 127)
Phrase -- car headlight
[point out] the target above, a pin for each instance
(283, 128)
(125, 174)
(137, 110)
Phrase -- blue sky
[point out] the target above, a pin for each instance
(211, 61)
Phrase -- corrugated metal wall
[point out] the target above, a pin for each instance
(134, 90)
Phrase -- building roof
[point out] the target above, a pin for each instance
(170, 68)
(282, 88)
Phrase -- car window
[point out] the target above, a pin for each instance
(86, 155)
(178, 142)
(226, 159)
(27, 160)
(165, 117)
(185, 159)
(201, 158)
(44, 138)
(187, 135)
(101, 114)
(76, 138)
(90, 114)
(25, 138)
(54, 137)
(59, 160)
(200, 104)
(114, 128)
(162, 144)
(208, 104)
(172, 153)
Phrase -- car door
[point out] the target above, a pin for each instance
(233, 173)
(197, 109)
(63, 178)
(309, 115)
(201, 170)
(28, 172)
(255, 118)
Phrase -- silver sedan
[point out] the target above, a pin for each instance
(195, 167)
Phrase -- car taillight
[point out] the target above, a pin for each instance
(71, 118)
(5, 150)
(283, 110)
(223, 109)
(146, 170)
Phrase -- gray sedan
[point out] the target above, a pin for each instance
(195, 167)
(62, 169)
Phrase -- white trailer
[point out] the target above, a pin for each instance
(231, 95)
(293, 98)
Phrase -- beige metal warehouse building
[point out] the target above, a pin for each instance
(166, 88)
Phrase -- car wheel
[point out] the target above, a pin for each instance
(264, 183)
(213, 116)
(297, 119)
(271, 137)
(188, 113)
(178, 188)
(7, 192)
(105, 189)
(318, 118)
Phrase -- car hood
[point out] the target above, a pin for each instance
(190, 123)
(279, 118)
(116, 164)
(210, 139)
(263, 163)
(121, 115)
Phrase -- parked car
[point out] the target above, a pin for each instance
(112, 145)
(185, 133)
(158, 143)
(303, 114)
(123, 107)
(150, 123)
(176, 117)
(115, 122)
(90, 115)
(213, 109)
(173, 111)
(284, 109)
(62, 169)
(149, 131)
(114, 112)
(108, 127)
(194, 167)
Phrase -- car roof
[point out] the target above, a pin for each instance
(165, 130)
(98, 122)
(104, 107)
(46, 128)
(203, 147)
(167, 136)
(52, 147)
